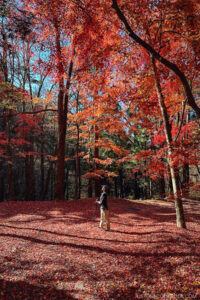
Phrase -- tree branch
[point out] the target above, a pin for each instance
(167, 63)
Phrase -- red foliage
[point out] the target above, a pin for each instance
(54, 250)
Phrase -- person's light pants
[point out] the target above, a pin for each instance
(104, 218)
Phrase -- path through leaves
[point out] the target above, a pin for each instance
(54, 250)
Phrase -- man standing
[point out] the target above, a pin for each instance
(104, 209)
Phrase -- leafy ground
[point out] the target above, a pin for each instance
(54, 250)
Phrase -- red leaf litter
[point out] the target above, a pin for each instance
(55, 250)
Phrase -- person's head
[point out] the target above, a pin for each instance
(104, 188)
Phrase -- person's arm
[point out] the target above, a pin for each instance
(100, 201)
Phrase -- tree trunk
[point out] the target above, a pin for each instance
(186, 168)
(150, 189)
(90, 180)
(63, 97)
(31, 180)
(2, 188)
(180, 220)
(48, 178)
(42, 165)
(67, 185)
(121, 186)
(97, 185)
(77, 168)
(79, 172)
(5, 51)
(77, 158)
(116, 187)
(156, 55)
(90, 189)
(136, 187)
(162, 186)
(10, 171)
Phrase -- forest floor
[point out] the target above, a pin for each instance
(54, 250)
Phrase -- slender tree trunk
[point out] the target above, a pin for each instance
(67, 184)
(150, 189)
(10, 171)
(121, 186)
(52, 176)
(116, 187)
(5, 51)
(136, 187)
(42, 165)
(186, 178)
(90, 180)
(77, 167)
(31, 180)
(97, 186)
(79, 173)
(90, 189)
(186, 168)
(162, 186)
(180, 220)
(2, 189)
(48, 178)
(77, 158)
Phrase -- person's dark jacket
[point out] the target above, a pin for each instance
(103, 201)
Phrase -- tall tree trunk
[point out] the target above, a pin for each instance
(48, 179)
(67, 184)
(31, 179)
(10, 171)
(79, 173)
(90, 188)
(180, 220)
(2, 188)
(42, 165)
(186, 168)
(97, 185)
(63, 97)
(186, 178)
(156, 55)
(136, 188)
(90, 180)
(121, 186)
(77, 167)
(162, 186)
(116, 187)
(150, 189)
(5, 50)
(77, 158)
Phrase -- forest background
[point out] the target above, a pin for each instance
(99, 92)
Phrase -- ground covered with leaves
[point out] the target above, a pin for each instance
(54, 250)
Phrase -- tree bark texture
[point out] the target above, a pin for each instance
(180, 220)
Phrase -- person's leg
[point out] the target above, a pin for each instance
(107, 219)
(102, 218)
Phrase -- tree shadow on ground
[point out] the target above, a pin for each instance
(82, 211)
(99, 249)
(18, 290)
(162, 259)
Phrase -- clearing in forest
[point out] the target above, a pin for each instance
(54, 250)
